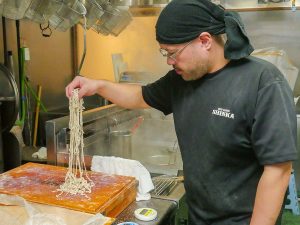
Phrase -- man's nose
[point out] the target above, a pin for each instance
(170, 61)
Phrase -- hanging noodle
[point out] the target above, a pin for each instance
(77, 180)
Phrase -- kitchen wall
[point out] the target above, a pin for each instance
(50, 62)
(136, 43)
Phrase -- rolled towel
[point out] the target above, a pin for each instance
(125, 167)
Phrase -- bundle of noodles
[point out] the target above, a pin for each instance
(77, 180)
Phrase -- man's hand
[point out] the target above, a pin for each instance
(124, 95)
(87, 87)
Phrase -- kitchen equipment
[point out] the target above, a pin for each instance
(9, 99)
(164, 185)
(98, 124)
(110, 195)
(94, 11)
(120, 144)
(113, 21)
(104, 17)
(14, 9)
(68, 15)
(40, 11)
(9, 108)
(145, 214)
(155, 146)
(153, 143)
(165, 212)
(142, 7)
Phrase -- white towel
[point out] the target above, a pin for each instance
(40, 154)
(125, 167)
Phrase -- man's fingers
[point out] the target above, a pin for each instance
(74, 84)
(68, 92)
(82, 92)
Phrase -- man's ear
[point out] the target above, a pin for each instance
(206, 39)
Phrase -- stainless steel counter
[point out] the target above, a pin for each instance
(165, 209)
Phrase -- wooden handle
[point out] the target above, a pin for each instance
(37, 111)
(180, 179)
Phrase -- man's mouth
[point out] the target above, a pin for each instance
(177, 70)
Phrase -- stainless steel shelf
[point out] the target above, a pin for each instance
(253, 5)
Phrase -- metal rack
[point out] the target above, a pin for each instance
(100, 15)
(164, 185)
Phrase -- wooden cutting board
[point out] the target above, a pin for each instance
(39, 183)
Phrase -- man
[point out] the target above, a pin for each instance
(234, 114)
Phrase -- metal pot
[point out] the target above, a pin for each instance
(120, 144)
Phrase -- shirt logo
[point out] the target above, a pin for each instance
(223, 112)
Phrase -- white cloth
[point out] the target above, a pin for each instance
(125, 167)
(40, 154)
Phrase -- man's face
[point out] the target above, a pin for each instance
(189, 60)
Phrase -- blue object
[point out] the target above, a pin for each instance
(292, 196)
(127, 223)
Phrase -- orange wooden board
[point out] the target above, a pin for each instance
(39, 183)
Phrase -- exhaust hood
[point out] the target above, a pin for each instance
(142, 7)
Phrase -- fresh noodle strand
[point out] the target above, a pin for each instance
(77, 180)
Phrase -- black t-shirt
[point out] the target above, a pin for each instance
(229, 125)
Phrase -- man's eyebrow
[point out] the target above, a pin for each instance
(168, 49)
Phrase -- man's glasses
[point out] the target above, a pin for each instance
(173, 56)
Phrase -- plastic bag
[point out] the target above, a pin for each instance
(35, 216)
(280, 59)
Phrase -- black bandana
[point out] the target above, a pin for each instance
(184, 20)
